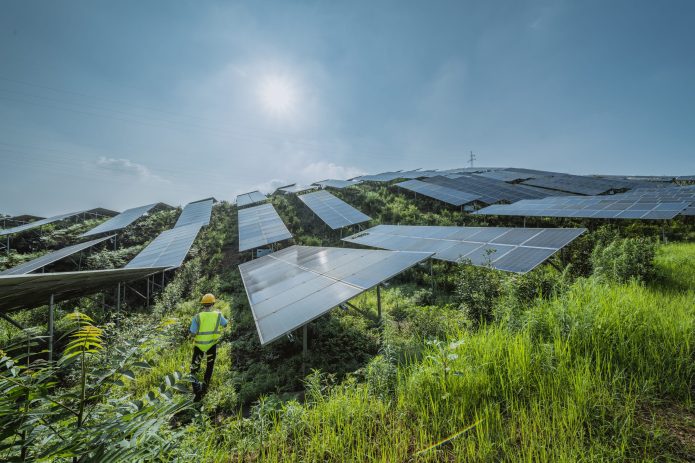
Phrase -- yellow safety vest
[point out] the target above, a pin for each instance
(209, 330)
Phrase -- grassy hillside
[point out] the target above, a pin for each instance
(602, 372)
(589, 359)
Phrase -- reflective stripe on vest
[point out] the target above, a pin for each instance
(208, 330)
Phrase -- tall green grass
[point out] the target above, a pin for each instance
(570, 385)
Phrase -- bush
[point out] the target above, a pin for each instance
(625, 259)
(477, 291)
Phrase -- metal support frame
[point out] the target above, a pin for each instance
(118, 298)
(50, 328)
(305, 348)
(11, 321)
(378, 302)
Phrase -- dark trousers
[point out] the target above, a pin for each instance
(198, 356)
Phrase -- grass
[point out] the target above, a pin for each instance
(572, 384)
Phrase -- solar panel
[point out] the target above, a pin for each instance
(337, 184)
(121, 221)
(489, 191)
(38, 223)
(595, 207)
(506, 175)
(289, 288)
(442, 193)
(260, 225)
(247, 199)
(579, 184)
(169, 249)
(197, 212)
(294, 188)
(34, 289)
(510, 249)
(335, 212)
(35, 264)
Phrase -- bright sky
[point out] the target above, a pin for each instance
(122, 103)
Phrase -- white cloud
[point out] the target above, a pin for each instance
(127, 167)
(322, 170)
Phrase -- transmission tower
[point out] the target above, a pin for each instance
(471, 159)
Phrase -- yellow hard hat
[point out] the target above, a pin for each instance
(207, 299)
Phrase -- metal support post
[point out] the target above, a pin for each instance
(50, 330)
(148, 292)
(378, 301)
(118, 298)
(431, 276)
(305, 349)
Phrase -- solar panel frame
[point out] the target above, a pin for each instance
(259, 226)
(51, 257)
(290, 288)
(439, 192)
(481, 245)
(617, 206)
(38, 223)
(197, 212)
(252, 197)
(337, 184)
(120, 221)
(31, 290)
(169, 249)
(333, 211)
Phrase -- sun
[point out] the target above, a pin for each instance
(278, 95)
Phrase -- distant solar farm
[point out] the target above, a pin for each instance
(288, 285)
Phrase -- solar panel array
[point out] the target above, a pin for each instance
(337, 184)
(510, 249)
(488, 191)
(169, 249)
(197, 212)
(38, 223)
(294, 188)
(579, 184)
(259, 226)
(32, 290)
(291, 287)
(121, 221)
(335, 212)
(42, 261)
(442, 193)
(595, 207)
(247, 199)
(506, 175)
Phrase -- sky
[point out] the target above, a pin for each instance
(120, 104)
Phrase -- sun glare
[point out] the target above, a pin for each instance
(278, 96)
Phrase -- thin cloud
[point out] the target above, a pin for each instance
(128, 168)
(322, 170)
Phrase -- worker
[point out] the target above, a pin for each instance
(206, 327)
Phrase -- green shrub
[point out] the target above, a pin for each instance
(625, 259)
(477, 291)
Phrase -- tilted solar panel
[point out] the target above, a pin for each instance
(252, 197)
(196, 212)
(169, 249)
(442, 193)
(337, 184)
(289, 288)
(509, 249)
(595, 207)
(259, 226)
(38, 223)
(121, 221)
(335, 212)
(579, 184)
(32, 290)
(35, 264)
